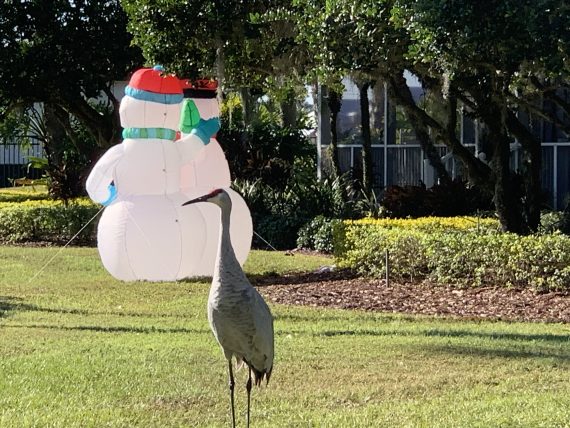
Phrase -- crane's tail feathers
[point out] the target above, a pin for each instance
(259, 375)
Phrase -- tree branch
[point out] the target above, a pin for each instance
(101, 126)
(551, 94)
(479, 172)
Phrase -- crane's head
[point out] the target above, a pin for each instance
(218, 196)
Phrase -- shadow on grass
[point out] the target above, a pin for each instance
(194, 280)
(9, 304)
(334, 333)
(483, 351)
(507, 338)
(545, 337)
(343, 315)
(112, 329)
(486, 352)
(518, 337)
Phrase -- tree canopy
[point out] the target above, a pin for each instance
(493, 57)
(500, 62)
(496, 58)
(66, 52)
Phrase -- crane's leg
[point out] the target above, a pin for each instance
(232, 384)
(248, 388)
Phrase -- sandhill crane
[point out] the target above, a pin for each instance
(239, 317)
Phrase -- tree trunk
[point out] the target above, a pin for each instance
(367, 180)
(531, 170)
(220, 68)
(400, 92)
(248, 106)
(507, 201)
(507, 196)
(335, 103)
(104, 127)
(533, 186)
(289, 110)
(65, 182)
(377, 107)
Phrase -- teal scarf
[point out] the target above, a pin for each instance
(162, 133)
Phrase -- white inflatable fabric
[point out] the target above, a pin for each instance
(145, 233)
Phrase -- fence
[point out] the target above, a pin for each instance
(14, 159)
(407, 165)
(405, 162)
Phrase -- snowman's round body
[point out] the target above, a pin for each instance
(145, 233)
(134, 245)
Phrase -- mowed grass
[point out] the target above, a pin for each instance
(79, 349)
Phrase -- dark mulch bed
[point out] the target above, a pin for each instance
(343, 290)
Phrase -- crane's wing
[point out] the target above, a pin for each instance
(243, 325)
(263, 339)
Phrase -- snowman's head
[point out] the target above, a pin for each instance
(200, 102)
(203, 93)
(152, 99)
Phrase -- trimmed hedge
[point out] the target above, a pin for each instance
(455, 255)
(22, 194)
(48, 221)
(432, 223)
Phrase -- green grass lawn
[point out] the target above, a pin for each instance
(79, 349)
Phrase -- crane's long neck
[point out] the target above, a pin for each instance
(227, 266)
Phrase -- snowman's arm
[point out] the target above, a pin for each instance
(100, 185)
(190, 145)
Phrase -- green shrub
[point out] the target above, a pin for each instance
(454, 256)
(278, 214)
(363, 249)
(317, 234)
(280, 230)
(553, 221)
(433, 223)
(47, 221)
(264, 150)
(450, 199)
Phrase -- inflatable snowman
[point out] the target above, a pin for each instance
(144, 233)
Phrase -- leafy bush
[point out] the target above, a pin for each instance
(47, 221)
(317, 234)
(452, 199)
(455, 255)
(278, 214)
(277, 229)
(264, 150)
(275, 213)
(553, 221)
(363, 249)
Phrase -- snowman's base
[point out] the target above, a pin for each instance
(155, 238)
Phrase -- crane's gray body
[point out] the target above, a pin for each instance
(239, 317)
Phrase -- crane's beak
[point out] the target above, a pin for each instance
(200, 199)
(204, 198)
